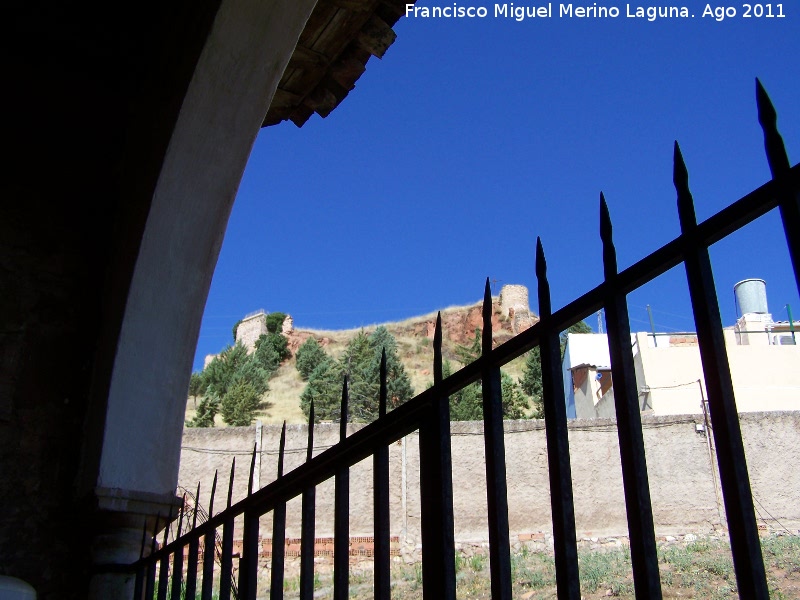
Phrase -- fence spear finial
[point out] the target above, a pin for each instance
(230, 481)
(437, 350)
(144, 539)
(155, 534)
(281, 449)
(180, 516)
(773, 142)
(310, 449)
(383, 392)
(680, 177)
(541, 276)
(609, 251)
(486, 341)
(343, 411)
(196, 506)
(252, 470)
(213, 492)
(166, 525)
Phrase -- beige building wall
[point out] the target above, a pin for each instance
(594, 396)
(678, 461)
(765, 378)
(669, 378)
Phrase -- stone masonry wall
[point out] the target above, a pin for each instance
(514, 297)
(250, 329)
(679, 467)
(514, 305)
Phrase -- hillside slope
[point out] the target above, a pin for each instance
(414, 344)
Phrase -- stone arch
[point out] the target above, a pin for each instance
(247, 49)
(130, 135)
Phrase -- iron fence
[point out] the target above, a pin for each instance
(177, 567)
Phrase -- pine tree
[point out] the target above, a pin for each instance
(206, 411)
(361, 364)
(197, 385)
(308, 356)
(234, 368)
(220, 372)
(468, 354)
(280, 344)
(398, 385)
(358, 363)
(265, 355)
(324, 389)
(240, 403)
(531, 382)
(515, 403)
(467, 403)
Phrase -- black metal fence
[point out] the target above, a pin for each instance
(176, 565)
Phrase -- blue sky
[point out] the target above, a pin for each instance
(473, 136)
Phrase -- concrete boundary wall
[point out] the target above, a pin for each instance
(682, 481)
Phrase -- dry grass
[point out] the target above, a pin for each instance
(284, 395)
(702, 570)
(415, 351)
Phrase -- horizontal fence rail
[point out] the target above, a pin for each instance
(177, 565)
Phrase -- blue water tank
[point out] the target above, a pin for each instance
(751, 296)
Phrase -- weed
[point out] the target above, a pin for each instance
(292, 584)
(606, 569)
(459, 561)
(476, 563)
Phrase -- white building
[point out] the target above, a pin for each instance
(763, 355)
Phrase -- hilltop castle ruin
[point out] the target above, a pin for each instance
(513, 302)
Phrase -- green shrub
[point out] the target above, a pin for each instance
(280, 344)
(240, 404)
(361, 363)
(197, 384)
(308, 357)
(206, 411)
(275, 322)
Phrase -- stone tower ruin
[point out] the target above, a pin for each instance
(251, 328)
(514, 305)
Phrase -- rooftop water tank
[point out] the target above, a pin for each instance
(751, 296)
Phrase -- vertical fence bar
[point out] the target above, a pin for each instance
(150, 583)
(209, 548)
(436, 490)
(380, 474)
(644, 558)
(248, 562)
(494, 442)
(558, 458)
(226, 560)
(308, 527)
(341, 524)
(779, 165)
(163, 567)
(734, 480)
(177, 559)
(141, 567)
(278, 532)
(194, 552)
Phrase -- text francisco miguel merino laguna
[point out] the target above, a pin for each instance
(545, 11)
